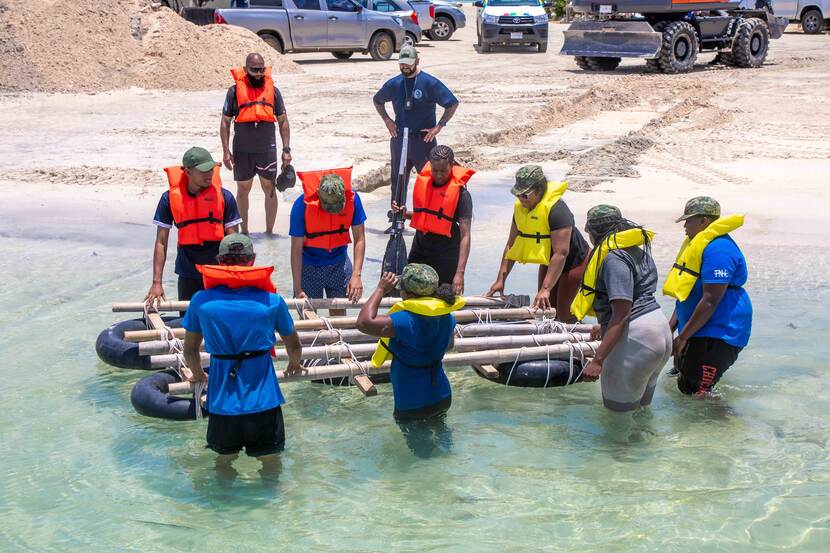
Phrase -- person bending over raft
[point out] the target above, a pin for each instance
(237, 314)
(442, 214)
(202, 211)
(618, 287)
(543, 232)
(713, 312)
(415, 333)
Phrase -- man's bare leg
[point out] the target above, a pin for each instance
(271, 466)
(271, 204)
(243, 189)
(224, 466)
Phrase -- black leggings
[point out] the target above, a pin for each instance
(703, 363)
(425, 429)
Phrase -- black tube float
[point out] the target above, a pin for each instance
(150, 398)
(539, 373)
(113, 350)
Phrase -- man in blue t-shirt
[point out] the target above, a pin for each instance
(414, 95)
(319, 272)
(715, 321)
(198, 165)
(243, 395)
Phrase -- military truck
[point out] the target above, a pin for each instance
(669, 34)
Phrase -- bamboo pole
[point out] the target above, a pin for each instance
(465, 316)
(333, 303)
(492, 357)
(513, 329)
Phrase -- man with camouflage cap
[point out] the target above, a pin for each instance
(193, 204)
(713, 312)
(236, 315)
(415, 333)
(320, 223)
(414, 95)
(544, 232)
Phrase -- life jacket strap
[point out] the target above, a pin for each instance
(240, 357)
(439, 214)
(255, 103)
(684, 269)
(341, 230)
(536, 236)
(209, 219)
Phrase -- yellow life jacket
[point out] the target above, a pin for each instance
(583, 303)
(686, 269)
(431, 307)
(532, 244)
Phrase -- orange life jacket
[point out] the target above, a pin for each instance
(323, 229)
(234, 276)
(433, 208)
(255, 104)
(200, 218)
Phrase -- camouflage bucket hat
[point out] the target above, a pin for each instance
(700, 205)
(419, 279)
(236, 244)
(528, 178)
(332, 193)
(602, 214)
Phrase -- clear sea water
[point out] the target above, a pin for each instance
(529, 470)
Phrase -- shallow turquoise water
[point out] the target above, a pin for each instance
(546, 470)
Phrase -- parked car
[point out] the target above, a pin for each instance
(400, 9)
(426, 13)
(814, 15)
(511, 22)
(448, 18)
(341, 27)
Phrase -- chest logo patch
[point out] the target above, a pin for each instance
(417, 94)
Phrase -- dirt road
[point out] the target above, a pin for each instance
(757, 139)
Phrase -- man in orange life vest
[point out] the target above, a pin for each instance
(254, 104)
(236, 315)
(319, 229)
(202, 211)
(442, 214)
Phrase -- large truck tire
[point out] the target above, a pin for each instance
(812, 22)
(679, 51)
(751, 43)
(273, 41)
(590, 63)
(442, 28)
(381, 47)
(543, 47)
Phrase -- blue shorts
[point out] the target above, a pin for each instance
(331, 279)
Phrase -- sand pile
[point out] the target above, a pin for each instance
(89, 46)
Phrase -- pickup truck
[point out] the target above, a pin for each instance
(512, 22)
(448, 18)
(425, 11)
(814, 15)
(341, 27)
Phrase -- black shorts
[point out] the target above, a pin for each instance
(703, 363)
(246, 165)
(446, 266)
(259, 433)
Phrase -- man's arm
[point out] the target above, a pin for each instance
(388, 121)
(712, 296)
(225, 137)
(355, 288)
(297, 266)
(463, 255)
(192, 355)
(560, 244)
(285, 136)
(449, 111)
(294, 349)
(620, 311)
(156, 293)
(368, 321)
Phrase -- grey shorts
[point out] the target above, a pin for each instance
(331, 279)
(630, 371)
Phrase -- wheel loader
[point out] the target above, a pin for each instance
(669, 34)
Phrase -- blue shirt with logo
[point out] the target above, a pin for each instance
(425, 92)
(418, 377)
(233, 321)
(723, 263)
(321, 256)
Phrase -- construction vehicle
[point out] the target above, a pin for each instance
(669, 34)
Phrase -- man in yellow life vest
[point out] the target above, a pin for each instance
(442, 212)
(543, 232)
(202, 211)
(713, 312)
(255, 105)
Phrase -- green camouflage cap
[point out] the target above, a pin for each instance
(408, 55)
(419, 279)
(199, 158)
(602, 213)
(700, 205)
(528, 178)
(236, 244)
(332, 193)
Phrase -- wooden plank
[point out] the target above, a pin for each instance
(487, 371)
(157, 323)
(308, 314)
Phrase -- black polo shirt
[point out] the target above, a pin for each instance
(253, 138)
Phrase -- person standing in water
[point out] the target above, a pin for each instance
(618, 287)
(415, 333)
